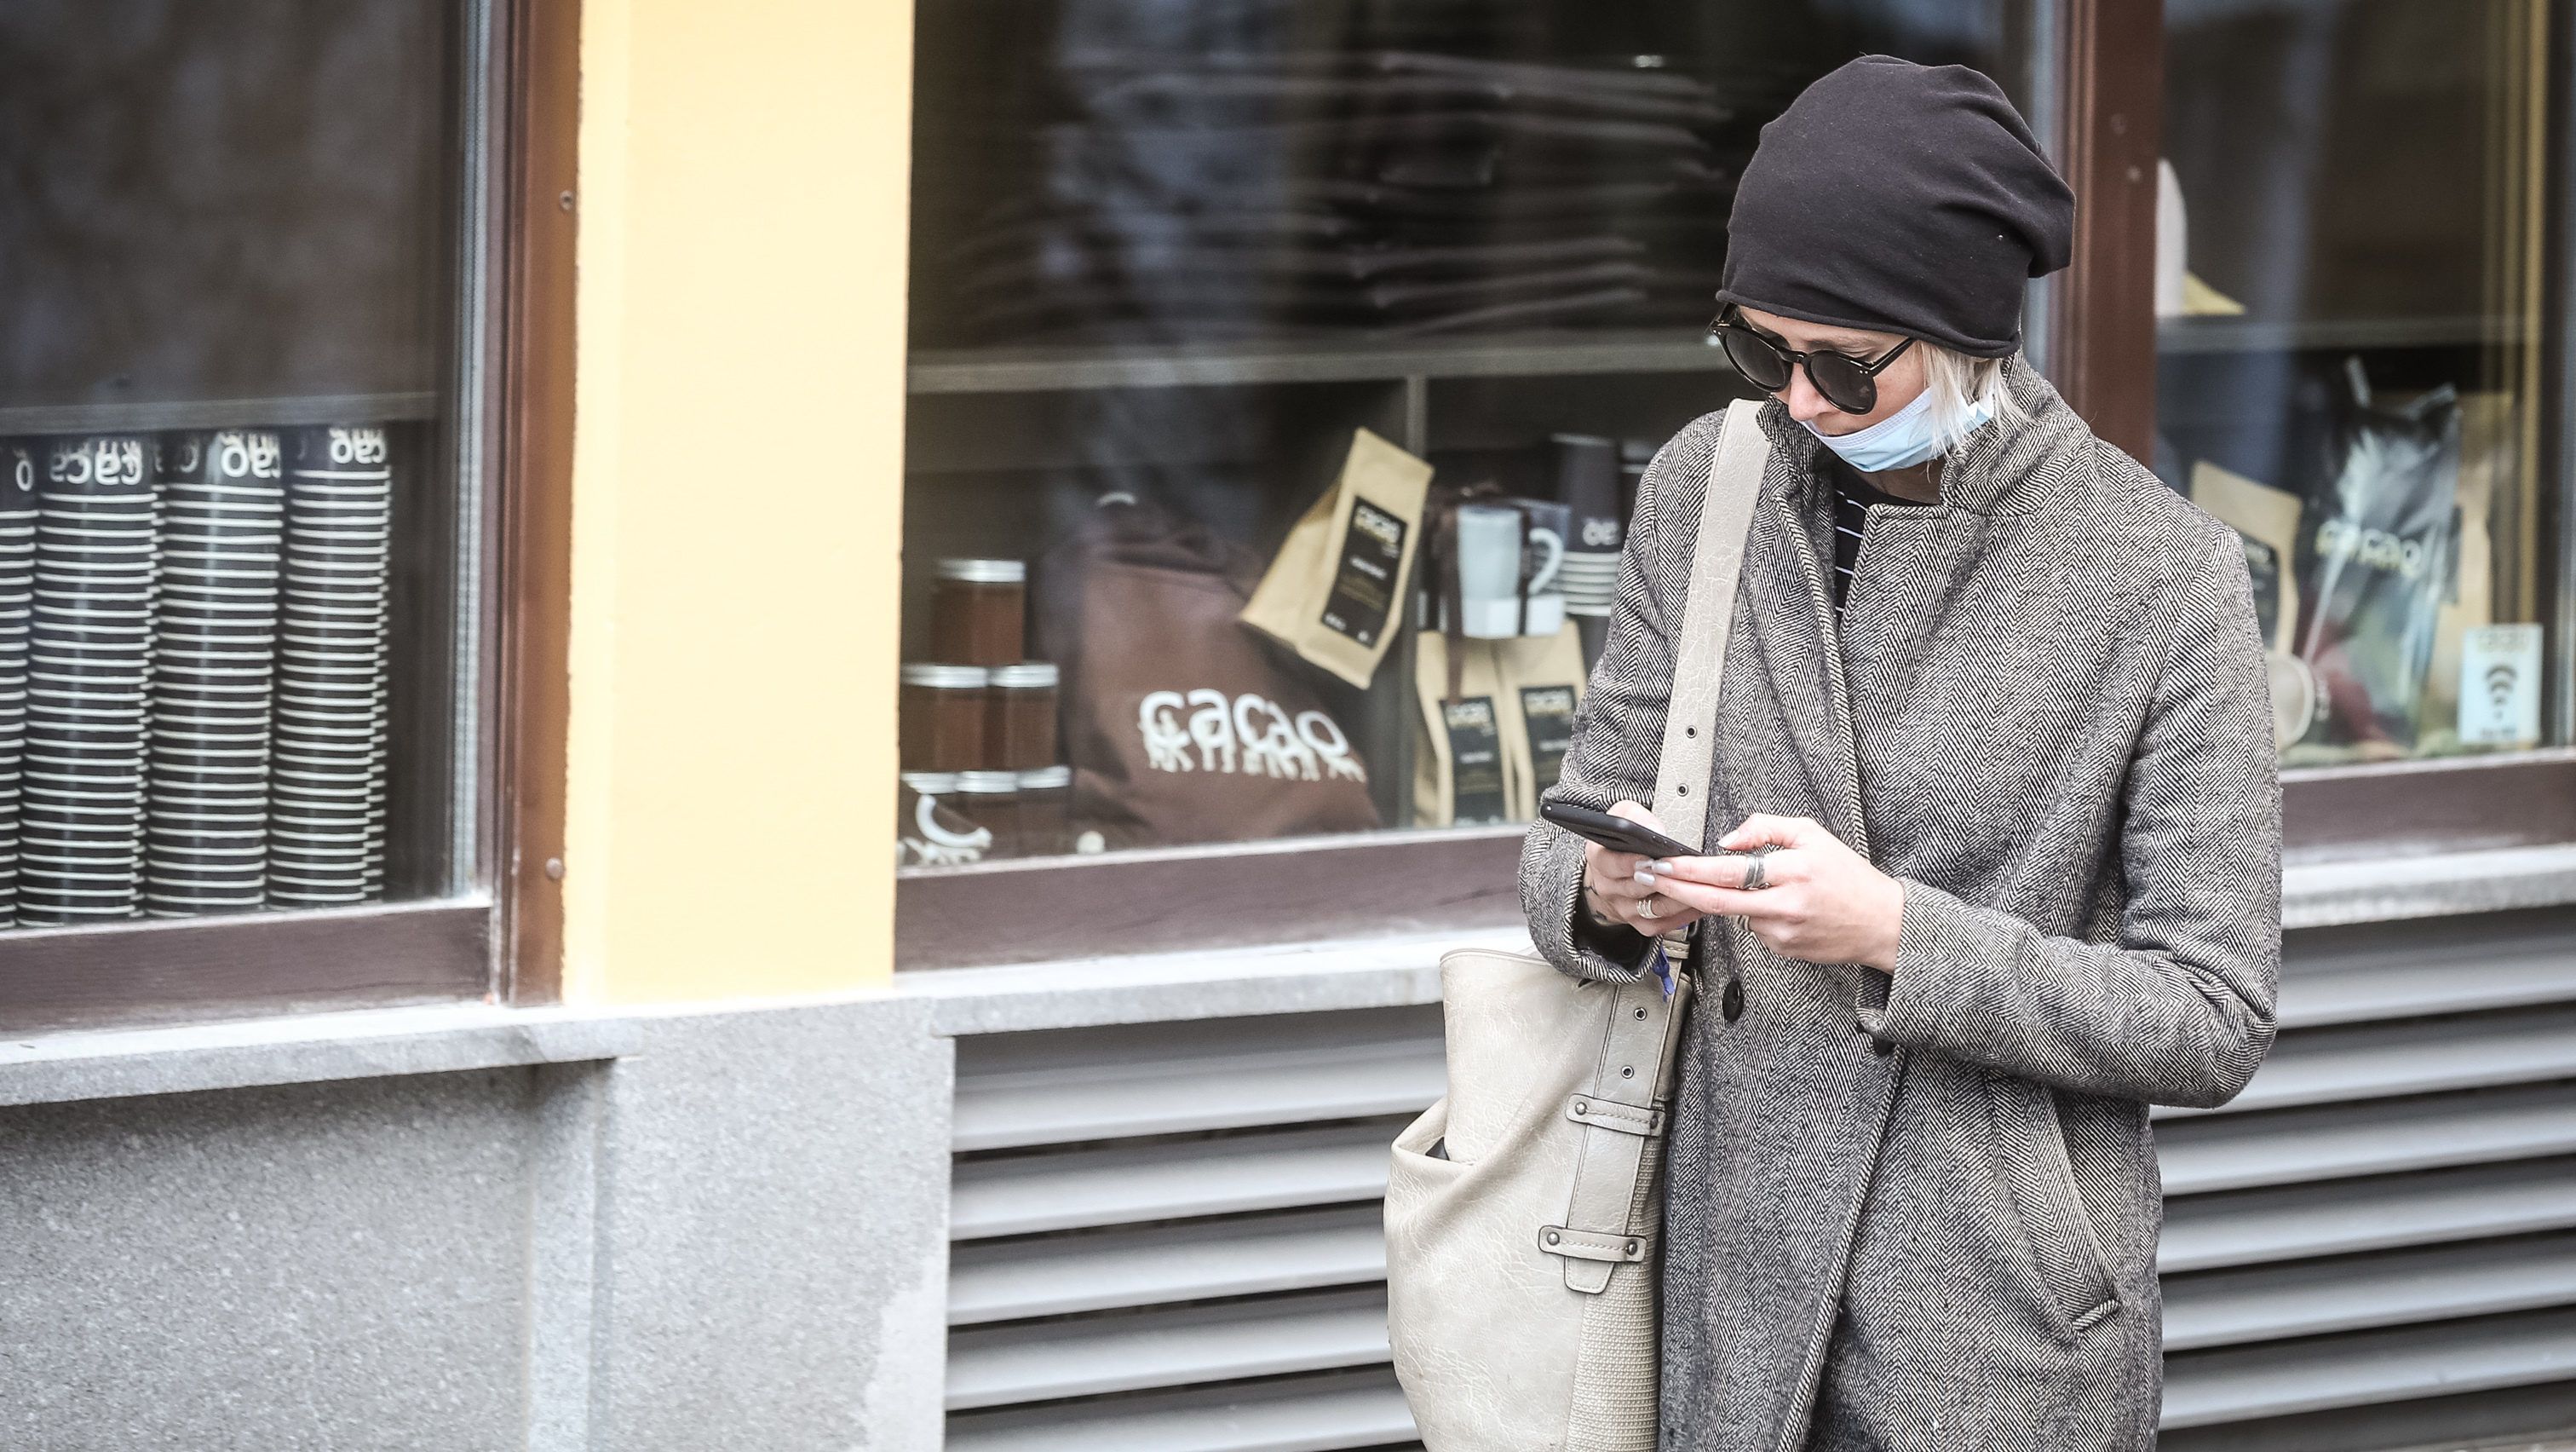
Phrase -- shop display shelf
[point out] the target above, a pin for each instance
(2198, 335)
(217, 413)
(1333, 360)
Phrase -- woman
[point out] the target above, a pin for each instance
(1995, 712)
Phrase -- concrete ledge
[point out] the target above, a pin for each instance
(1405, 969)
(2390, 888)
(302, 1049)
(1218, 983)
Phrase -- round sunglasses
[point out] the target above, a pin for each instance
(1848, 383)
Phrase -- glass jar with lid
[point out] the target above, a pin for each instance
(979, 612)
(991, 800)
(1045, 817)
(929, 831)
(1021, 723)
(942, 717)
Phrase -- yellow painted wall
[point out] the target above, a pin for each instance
(737, 497)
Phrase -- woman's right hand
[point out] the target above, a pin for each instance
(1612, 893)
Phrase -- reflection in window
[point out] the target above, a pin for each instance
(2348, 287)
(1283, 371)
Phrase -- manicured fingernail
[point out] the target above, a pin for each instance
(1659, 865)
(1646, 875)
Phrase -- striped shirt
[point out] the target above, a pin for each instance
(1853, 496)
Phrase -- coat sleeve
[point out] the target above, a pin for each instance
(2180, 1009)
(1619, 729)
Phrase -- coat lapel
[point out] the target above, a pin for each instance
(1918, 563)
(1792, 630)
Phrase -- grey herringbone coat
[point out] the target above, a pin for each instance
(1920, 1211)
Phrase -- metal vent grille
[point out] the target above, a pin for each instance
(1166, 1237)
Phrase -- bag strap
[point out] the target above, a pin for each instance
(1623, 1112)
(1699, 653)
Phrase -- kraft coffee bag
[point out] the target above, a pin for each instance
(2266, 521)
(1462, 775)
(1541, 683)
(1336, 592)
(1494, 735)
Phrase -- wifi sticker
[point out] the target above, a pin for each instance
(2500, 685)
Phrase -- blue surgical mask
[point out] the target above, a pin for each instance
(1901, 440)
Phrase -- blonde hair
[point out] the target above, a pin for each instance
(1957, 383)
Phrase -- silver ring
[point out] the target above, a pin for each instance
(1754, 881)
(1646, 905)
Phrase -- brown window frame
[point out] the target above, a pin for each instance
(2102, 353)
(500, 938)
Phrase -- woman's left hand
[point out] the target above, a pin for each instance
(1820, 902)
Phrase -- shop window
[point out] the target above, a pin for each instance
(244, 476)
(1281, 374)
(2352, 347)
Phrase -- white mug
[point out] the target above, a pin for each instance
(1489, 568)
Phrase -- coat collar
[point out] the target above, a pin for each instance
(1997, 471)
(1835, 683)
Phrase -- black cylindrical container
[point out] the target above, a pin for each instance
(205, 816)
(326, 830)
(89, 667)
(21, 465)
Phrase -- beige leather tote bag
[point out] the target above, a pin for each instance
(1521, 1259)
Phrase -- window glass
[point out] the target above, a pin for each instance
(229, 496)
(2348, 292)
(1281, 374)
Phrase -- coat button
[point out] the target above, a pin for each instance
(1882, 1047)
(1731, 1002)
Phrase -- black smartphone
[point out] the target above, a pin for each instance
(1616, 833)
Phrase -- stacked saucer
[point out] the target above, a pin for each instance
(326, 792)
(23, 465)
(89, 664)
(1587, 479)
(205, 820)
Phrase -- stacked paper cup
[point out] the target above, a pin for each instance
(206, 815)
(327, 789)
(89, 665)
(377, 778)
(1587, 479)
(24, 466)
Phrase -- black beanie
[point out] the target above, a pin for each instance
(1899, 198)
